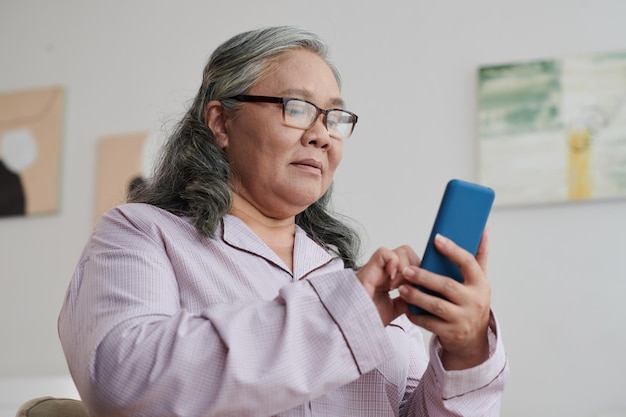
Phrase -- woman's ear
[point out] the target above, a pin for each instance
(215, 117)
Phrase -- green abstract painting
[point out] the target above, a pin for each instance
(553, 130)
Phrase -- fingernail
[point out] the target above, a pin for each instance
(441, 239)
(408, 272)
(393, 294)
(403, 289)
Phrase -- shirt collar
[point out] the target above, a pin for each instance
(308, 255)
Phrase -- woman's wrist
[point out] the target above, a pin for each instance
(472, 355)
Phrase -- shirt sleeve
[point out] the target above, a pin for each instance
(133, 350)
(471, 392)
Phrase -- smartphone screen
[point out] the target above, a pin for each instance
(462, 217)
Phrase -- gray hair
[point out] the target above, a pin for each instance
(192, 175)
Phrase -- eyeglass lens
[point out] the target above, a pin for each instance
(302, 114)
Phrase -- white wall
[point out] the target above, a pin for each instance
(409, 68)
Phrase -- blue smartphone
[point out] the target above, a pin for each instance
(462, 217)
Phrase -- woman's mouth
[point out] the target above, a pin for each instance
(310, 165)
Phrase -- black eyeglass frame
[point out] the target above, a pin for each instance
(284, 100)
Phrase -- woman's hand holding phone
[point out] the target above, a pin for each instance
(460, 313)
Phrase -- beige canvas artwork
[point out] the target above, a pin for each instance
(119, 166)
(31, 124)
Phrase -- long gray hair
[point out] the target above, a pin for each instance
(192, 175)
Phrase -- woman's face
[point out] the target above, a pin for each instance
(278, 169)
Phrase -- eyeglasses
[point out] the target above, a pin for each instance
(302, 114)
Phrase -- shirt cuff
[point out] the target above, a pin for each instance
(353, 310)
(460, 382)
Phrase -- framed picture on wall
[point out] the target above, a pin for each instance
(553, 130)
(30, 151)
(124, 162)
(119, 168)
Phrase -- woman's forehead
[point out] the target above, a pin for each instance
(301, 73)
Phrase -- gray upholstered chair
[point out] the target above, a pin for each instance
(52, 407)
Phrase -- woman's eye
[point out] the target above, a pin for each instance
(297, 108)
(295, 111)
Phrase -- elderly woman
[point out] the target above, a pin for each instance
(226, 287)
